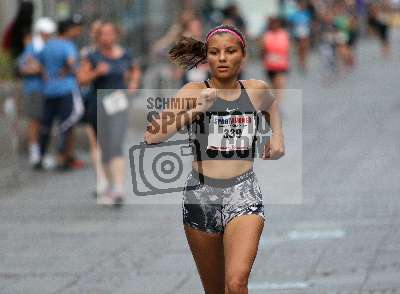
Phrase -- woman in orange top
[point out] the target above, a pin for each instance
(276, 50)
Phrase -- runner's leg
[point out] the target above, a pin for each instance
(241, 238)
(208, 253)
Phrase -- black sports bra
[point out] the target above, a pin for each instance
(227, 131)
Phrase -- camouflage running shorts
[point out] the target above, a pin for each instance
(210, 204)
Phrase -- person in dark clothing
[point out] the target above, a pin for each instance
(59, 60)
(13, 40)
(112, 68)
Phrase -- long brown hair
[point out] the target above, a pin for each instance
(188, 52)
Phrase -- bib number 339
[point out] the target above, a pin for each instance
(231, 132)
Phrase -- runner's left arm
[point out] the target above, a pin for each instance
(269, 106)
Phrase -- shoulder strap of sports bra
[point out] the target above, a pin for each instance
(246, 95)
(207, 84)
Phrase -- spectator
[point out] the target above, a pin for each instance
(13, 39)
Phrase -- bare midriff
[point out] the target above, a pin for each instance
(222, 169)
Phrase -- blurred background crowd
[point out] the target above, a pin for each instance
(55, 55)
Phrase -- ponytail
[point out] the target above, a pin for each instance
(188, 53)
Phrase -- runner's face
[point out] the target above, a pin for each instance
(107, 35)
(224, 55)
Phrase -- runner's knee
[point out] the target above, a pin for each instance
(237, 283)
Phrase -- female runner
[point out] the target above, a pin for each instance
(223, 212)
(109, 68)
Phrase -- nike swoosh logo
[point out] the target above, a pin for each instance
(230, 110)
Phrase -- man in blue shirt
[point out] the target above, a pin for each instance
(59, 59)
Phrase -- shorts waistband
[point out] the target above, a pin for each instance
(222, 183)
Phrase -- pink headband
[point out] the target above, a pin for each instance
(225, 31)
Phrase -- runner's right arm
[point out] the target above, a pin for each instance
(194, 100)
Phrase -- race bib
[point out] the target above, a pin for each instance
(231, 132)
(115, 102)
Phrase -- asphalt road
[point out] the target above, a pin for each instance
(332, 206)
